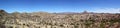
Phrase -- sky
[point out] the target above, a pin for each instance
(98, 6)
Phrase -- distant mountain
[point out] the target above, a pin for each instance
(67, 13)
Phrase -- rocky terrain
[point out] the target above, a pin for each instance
(56, 20)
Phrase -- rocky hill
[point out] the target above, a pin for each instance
(56, 20)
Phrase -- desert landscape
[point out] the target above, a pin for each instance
(59, 20)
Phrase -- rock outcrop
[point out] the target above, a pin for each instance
(2, 12)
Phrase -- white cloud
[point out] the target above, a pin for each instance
(106, 10)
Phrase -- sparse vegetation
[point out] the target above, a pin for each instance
(51, 20)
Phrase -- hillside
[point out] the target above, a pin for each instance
(59, 20)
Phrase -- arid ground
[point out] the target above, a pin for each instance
(59, 20)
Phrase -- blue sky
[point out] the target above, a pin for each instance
(99, 6)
